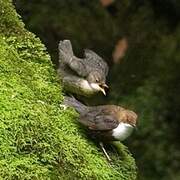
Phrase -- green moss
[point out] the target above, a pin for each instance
(38, 139)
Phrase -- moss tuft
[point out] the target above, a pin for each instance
(38, 139)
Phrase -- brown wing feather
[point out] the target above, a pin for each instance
(99, 119)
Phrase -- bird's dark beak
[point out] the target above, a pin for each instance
(103, 91)
(135, 127)
(103, 87)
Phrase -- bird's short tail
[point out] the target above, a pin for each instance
(72, 102)
(65, 50)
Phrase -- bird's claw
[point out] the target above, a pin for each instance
(62, 106)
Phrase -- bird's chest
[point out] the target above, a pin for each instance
(118, 134)
(122, 131)
(85, 85)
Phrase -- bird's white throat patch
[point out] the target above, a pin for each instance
(93, 86)
(122, 131)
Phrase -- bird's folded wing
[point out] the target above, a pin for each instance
(66, 56)
(99, 121)
(78, 67)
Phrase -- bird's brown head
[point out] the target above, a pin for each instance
(97, 81)
(128, 116)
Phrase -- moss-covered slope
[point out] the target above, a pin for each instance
(38, 139)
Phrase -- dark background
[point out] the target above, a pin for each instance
(146, 79)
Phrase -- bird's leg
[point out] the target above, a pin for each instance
(104, 151)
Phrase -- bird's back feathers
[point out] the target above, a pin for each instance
(94, 62)
(100, 118)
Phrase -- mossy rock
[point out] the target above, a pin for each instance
(38, 139)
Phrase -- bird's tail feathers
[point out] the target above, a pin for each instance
(65, 50)
(72, 102)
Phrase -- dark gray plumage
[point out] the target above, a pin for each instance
(84, 76)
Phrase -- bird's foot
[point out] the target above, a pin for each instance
(64, 107)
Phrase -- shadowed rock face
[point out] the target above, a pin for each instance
(39, 140)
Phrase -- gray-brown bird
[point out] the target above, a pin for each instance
(83, 76)
(105, 122)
